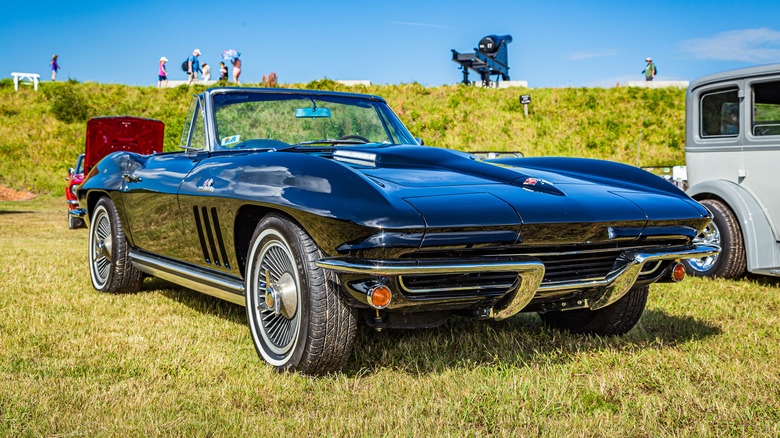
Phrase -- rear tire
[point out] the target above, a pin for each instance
(109, 262)
(311, 330)
(725, 232)
(616, 319)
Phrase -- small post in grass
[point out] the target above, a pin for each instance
(525, 99)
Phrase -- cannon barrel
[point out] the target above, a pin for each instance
(490, 43)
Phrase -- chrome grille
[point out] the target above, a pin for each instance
(479, 283)
(578, 267)
(579, 263)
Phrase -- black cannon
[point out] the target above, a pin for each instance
(489, 59)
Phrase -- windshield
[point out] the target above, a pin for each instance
(266, 120)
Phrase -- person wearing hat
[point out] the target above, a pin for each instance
(193, 67)
(650, 70)
(162, 75)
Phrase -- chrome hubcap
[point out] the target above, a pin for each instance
(280, 296)
(710, 236)
(101, 247)
(277, 297)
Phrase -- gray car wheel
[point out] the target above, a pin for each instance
(296, 317)
(109, 264)
(723, 231)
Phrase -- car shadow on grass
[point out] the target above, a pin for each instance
(205, 304)
(764, 280)
(519, 341)
(462, 343)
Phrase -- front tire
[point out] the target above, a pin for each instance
(109, 262)
(725, 232)
(297, 321)
(616, 319)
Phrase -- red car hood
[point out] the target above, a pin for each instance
(121, 133)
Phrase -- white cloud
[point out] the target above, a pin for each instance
(407, 23)
(592, 54)
(745, 45)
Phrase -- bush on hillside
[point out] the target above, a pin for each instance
(323, 84)
(67, 104)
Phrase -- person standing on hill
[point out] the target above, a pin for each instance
(236, 70)
(162, 74)
(206, 72)
(650, 70)
(193, 67)
(223, 73)
(54, 67)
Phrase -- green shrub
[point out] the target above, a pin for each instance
(67, 103)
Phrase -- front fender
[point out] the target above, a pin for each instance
(757, 233)
(325, 196)
(599, 171)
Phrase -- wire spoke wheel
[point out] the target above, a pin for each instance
(100, 243)
(110, 267)
(296, 318)
(278, 328)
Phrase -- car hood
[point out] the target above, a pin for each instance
(554, 200)
(121, 133)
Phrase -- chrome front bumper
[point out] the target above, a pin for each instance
(530, 271)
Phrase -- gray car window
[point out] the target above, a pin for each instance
(766, 108)
(719, 112)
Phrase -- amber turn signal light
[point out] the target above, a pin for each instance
(379, 296)
(678, 272)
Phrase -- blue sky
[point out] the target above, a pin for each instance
(556, 43)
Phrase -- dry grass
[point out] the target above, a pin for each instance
(703, 361)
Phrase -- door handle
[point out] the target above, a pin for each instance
(131, 178)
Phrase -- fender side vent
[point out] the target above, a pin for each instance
(210, 235)
(218, 233)
(200, 234)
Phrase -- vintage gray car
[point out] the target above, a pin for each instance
(732, 155)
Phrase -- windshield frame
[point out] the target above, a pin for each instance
(384, 113)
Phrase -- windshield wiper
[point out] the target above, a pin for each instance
(332, 141)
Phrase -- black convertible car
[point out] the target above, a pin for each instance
(319, 210)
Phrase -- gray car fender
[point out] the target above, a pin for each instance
(760, 242)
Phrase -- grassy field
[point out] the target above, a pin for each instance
(704, 360)
(42, 133)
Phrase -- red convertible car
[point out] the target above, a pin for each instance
(104, 136)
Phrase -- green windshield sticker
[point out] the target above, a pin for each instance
(230, 140)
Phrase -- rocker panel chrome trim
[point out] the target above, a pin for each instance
(221, 286)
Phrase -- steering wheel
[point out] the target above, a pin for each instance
(354, 137)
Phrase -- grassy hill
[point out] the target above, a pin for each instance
(41, 133)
